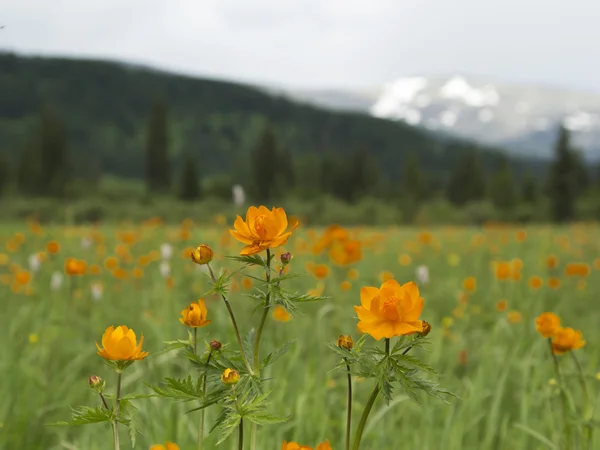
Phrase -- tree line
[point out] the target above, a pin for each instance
(271, 173)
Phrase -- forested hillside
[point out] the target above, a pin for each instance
(105, 107)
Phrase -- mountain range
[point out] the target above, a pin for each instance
(520, 118)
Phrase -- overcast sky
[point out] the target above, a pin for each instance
(322, 43)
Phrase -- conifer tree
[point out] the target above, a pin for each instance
(529, 189)
(158, 170)
(562, 181)
(265, 167)
(189, 188)
(502, 187)
(467, 180)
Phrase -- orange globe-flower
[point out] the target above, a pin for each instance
(392, 310)
(262, 229)
(566, 339)
(295, 446)
(167, 446)
(195, 315)
(120, 344)
(547, 324)
(75, 267)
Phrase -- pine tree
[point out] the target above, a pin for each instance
(358, 182)
(502, 187)
(413, 182)
(53, 154)
(265, 165)
(4, 175)
(158, 170)
(529, 189)
(562, 181)
(189, 188)
(467, 180)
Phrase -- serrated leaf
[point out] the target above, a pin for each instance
(263, 418)
(251, 260)
(84, 415)
(274, 356)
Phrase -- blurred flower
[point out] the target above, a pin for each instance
(247, 283)
(120, 344)
(53, 247)
(422, 274)
(470, 284)
(535, 282)
(167, 446)
(56, 281)
(353, 274)
(345, 342)
(501, 305)
(33, 338)
(230, 376)
(75, 267)
(547, 324)
(391, 310)
(110, 263)
(347, 252)
(96, 290)
(202, 254)
(552, 261)
(86, 242)
(386, 275)
(553, 283)
(566, 339)
(262, 229)
(577, 269)
(295, 446)
(404, 260)
(320, 271)
(514, 316)
(166, 251)
(281, 314)
(239, 196)
(195, 315)
(345, 285)
(453, 259)
(165, 269)
(463, 357)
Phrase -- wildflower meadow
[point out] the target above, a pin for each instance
(258, 332)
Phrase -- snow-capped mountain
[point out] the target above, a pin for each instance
(523, 119)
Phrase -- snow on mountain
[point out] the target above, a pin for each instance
(523, 119)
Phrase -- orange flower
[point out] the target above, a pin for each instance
(385, 275)
(262, 229)
(547, 324)
(392, 310)
(53, 247)
(167, 446)
(110, 263)
(566, 339)
(295, 446)
(535, 282)
(75, 267)
(281, 314)
(202, 254)
(320, 271)
(521, 235)
(553, 283)
(470, 284)
(353, 274)
(501, 305)
(503, 270)
(425, 237)
(120, 344)
(195, 315)
(344, 253)
(552, 262)
(345, 285)
(137, 272)
(404, 260)
(514, 316)
(94, 269)
(577, 269)
(247, 283)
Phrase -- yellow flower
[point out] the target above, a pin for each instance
(547, 324)
(426, 329)
(167, 446)
(33, 338)
(281, 314)
(345, 342)
(262, 229)
(230, 376)
(566, 339)
(120, 344)
(202, 254)
(195, 315)
(392, 310)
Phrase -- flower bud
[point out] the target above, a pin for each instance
(202, 254)
(215, 345)
(230, 376)
(286, 258)
(96, 383)
(345, 342)
(426, 329)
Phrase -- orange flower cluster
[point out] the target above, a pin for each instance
(564, 339)
(295, 446)
(75, 267)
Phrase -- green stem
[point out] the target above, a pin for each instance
(200, 443)
(195, 340)
(563, 396)
(349, 413)
(241, 435)
(368, 406)
(234, 322)
(588, 410)
(256, 350)
(117, 407)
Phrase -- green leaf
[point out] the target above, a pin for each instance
(264, 418)
(184, 389)
(248, 343)
(251, 260)
(274, 356)
(85, 415)
(227, 425)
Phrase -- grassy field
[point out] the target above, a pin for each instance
(483, 343)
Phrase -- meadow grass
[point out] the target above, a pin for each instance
(500, 368)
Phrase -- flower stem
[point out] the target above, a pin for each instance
(234, 322)
(368, 406)
(117, 407)
(257, 339)
(563, 396)
(588, 410)
(349, 413)
(104, 401)
(195, 340)
(241, 435)
(200, 443)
